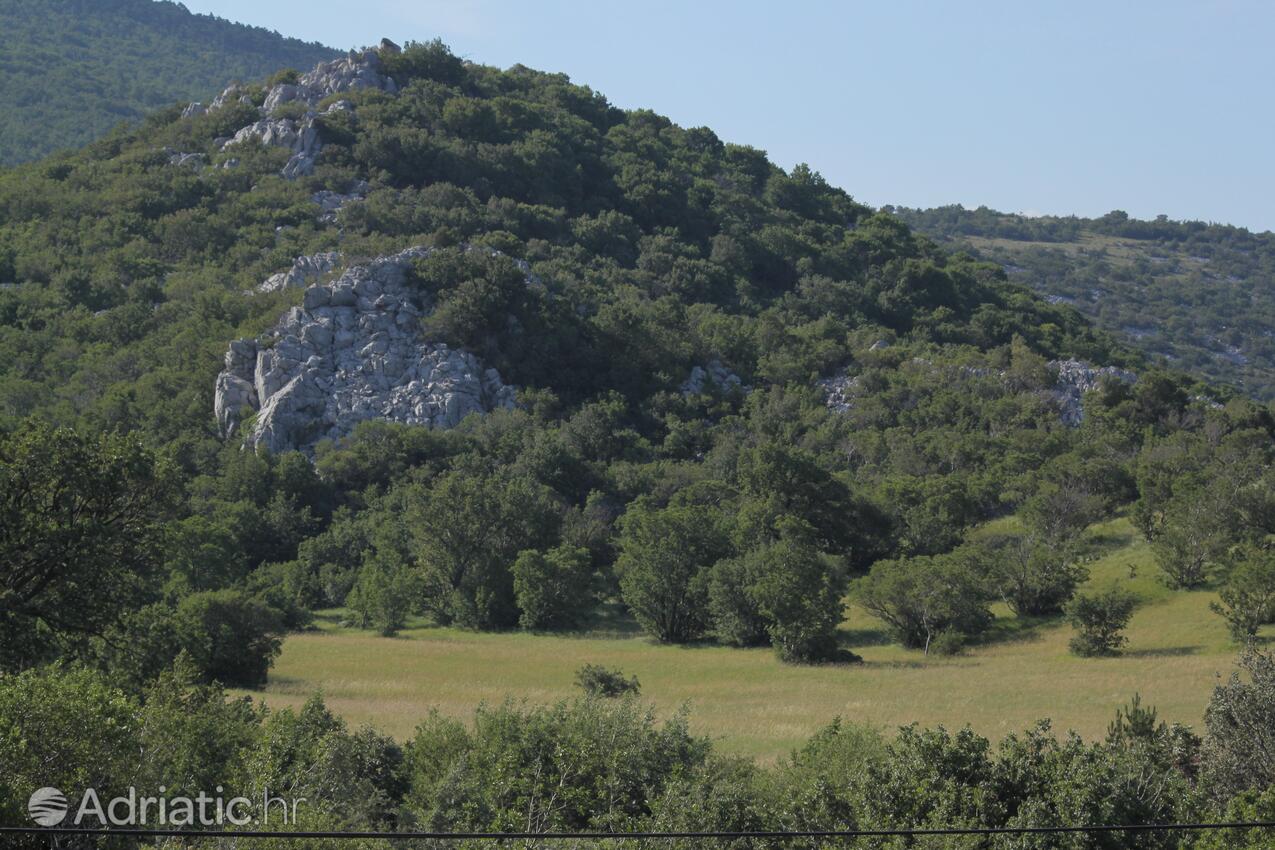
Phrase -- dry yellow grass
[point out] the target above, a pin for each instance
(753, 705)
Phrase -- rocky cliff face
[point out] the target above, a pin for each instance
(351, 352)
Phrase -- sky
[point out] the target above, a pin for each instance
(1036, 107)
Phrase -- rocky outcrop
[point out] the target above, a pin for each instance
(351, 352)
(331, 203)
(304, 271)
(1074, 379)
(299, 135)
(715, 378)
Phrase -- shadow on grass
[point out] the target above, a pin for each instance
(1163, 652)
(851, 638)
(1016, 629)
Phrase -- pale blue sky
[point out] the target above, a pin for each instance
(1059, 107)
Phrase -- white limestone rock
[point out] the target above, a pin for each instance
(304, 271)
(715, 378)
(351, 352)
(1074, 379)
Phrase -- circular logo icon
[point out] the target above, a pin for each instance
(47, 807)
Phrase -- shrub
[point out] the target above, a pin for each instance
(799, 593)
(926, 597)
(1034, 576)
(598, 681)
(1098, 620)
(230, 637)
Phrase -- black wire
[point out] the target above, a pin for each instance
(617, 836)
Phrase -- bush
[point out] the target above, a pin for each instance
(1034, 576)
(1099, 619)
(799, 593)
(553, 589)
(598, 681)
(927, 597)
(230, 637)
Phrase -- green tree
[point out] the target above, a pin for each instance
(799, 594)
(1099, 620)
(1247, 600)
(926, 598)
(665, 556)
(553, 588)
(1033, 576)
(229, 637)
(81, 534)
(468, 529)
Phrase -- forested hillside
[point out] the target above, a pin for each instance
(70, 70)
(409, 338)
(1201, 296)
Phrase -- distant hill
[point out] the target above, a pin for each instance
(1200, 295)
(72, 69)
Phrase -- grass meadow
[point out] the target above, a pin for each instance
(752, 705)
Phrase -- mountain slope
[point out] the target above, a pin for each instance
(70, 70)
(1202, 296)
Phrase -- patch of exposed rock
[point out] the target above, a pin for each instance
(331, 203)
(352, 352)
(713, 378)
(358, 70)
(1074, 379)
(304, 272)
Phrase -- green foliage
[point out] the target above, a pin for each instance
(1239, 751)
(553, 589)
(598, 681)
(1247, 599)
(665, 557)
(71, 72)
(1099, 620)
(80, 536)
(930, 601)
(468, 529)
(230, 638)
(798, 594)
(385, 593)
(1034, 576)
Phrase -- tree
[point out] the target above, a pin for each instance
(665, 556)
(732, 604)
(1098, 620)
(468, 528)
(385, 593)
(553, 588)
(926, 598)
(1239, 750)
(799, 592)
(229, 637)
(1248, 597)
(1034, 577)
(81, 522)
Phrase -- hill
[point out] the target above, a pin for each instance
(408, 346)
(1199, 296)
(70, 70)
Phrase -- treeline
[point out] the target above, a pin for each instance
(525, 768)
(1197, 294)
(70, 70)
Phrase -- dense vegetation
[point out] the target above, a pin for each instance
(135, 543)
(70, 70)
(1201, 296)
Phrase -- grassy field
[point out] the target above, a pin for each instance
(753, 705)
